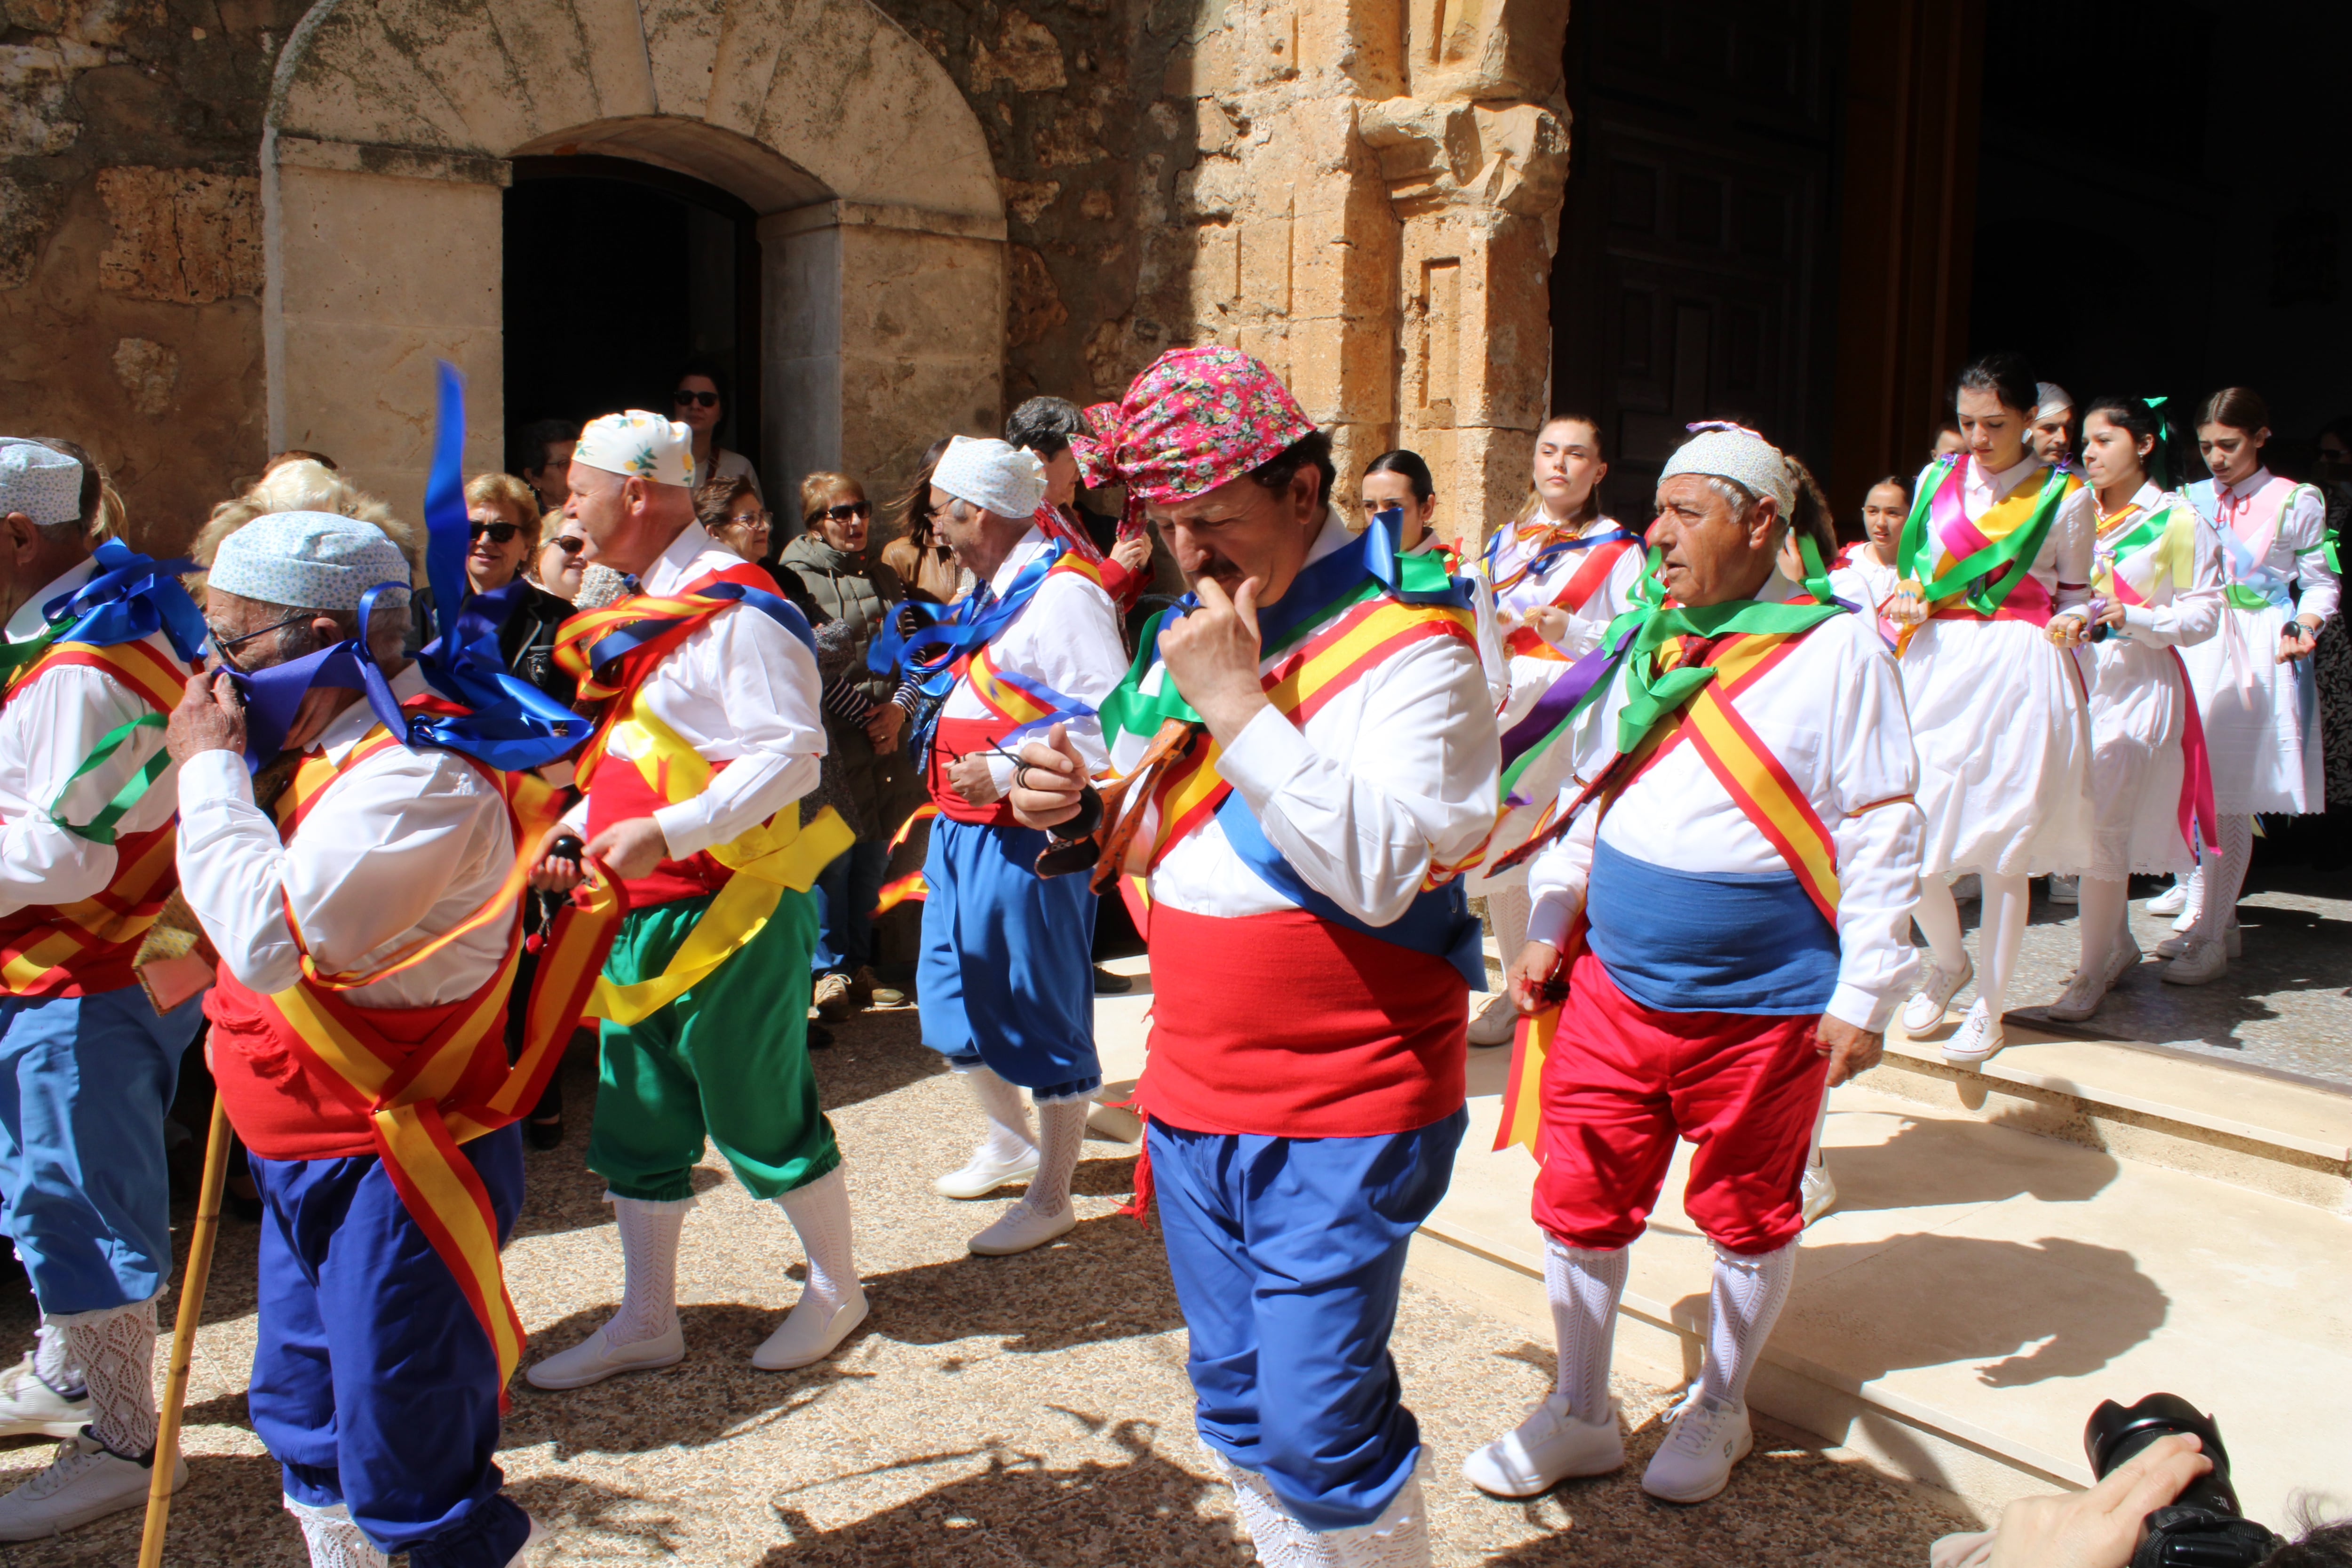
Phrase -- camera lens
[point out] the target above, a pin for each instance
(2115, 1432)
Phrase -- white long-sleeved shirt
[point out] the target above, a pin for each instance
(1833, 712)
(2177, 615)
(46, 730)
(1531, 676)
(1492, 660)
(2298, 548)
(740, 690)
(2063, 565)
(402, 848)
(1394, 774)
(1065, 637)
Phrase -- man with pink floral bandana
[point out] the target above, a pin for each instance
(1309, 754)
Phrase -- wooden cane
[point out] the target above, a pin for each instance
(184, 1336)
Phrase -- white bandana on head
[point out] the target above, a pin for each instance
(989, 474)
(2051, 400)
(639, 444)
(310, 560)
(1718, 450)
(40, 481)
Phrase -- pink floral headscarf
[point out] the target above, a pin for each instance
(1198, 418)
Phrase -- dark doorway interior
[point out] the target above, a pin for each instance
(1697, 253)
(617, 274)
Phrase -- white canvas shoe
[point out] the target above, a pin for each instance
(984, 1175)
(1979, 1037)
(1497, 1022)
(2202, 963)
(1934, 998)
(1545, 1449)
(597, 1358)
(1816, 1193)
(2123, 960)
(810, 1332)
(1022, 1228)
(2081, 999)
(85, 1481)
(31, 1408)
(2234, 940)
(1707, 1439)
(2172, 901)
(2065, 889)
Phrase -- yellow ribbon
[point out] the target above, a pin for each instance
(780, 853)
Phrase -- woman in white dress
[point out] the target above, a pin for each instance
(2157, 586)
(1399, 481)
(1865, 574)
(1559, 573)
(1996, 544)
(2253, 676)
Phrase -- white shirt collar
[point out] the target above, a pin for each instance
(2008, 479)
(26, 623)
(2250, 484)
(349, 727)
(682, 561)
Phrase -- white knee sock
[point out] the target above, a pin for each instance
(2008, 901)
(333, 1540)
(649, 1232)
(1009, 1138)
(115, 1348)
(1062, 1134)
(53, 1362)
(1813, 1157)
(1939, 922)
(820, 1216)
(2225, 877)
(2102, 914)
(1584, 1287)
(1743, 1304)
(1508, 908)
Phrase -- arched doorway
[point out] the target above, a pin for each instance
(391, 140)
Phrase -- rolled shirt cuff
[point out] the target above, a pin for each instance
(1549, 921)
(1863, 1009)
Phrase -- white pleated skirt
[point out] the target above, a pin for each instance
(2139, 718)
(2261, 722)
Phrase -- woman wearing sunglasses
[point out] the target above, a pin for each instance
(699, 403)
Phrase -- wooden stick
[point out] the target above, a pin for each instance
(183, 1335)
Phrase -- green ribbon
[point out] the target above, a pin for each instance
(2011, 557)
(14, 657)
(1651, 697)
(99, 829)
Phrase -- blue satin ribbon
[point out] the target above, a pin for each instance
(637, 633)
(131, 596)
(930, 654)
(1551, 553)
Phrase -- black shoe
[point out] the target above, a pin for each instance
(819, 1037)
(1109, 984)
(544, 1132)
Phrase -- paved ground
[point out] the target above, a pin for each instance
(1021, 1411)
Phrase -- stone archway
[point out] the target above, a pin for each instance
(386, 150)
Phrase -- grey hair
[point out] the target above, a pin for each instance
(1742, 501)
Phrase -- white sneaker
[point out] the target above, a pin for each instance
(1545, 1449)
(2192, 899)
(2234, 940)
(1707, 1439)
(1022, 1228)
(2065, 889)
(2081, 999)
(31, 1408)
(810, 1332)
(1979, 1037)
(2172, 901)
(2123, 960)
(1934, 999)
(2202, 963)
(1967, 888)
(1816, 1194)
(983, 1175)
(1497, 1022)
(597, 1358)
(87, 1480)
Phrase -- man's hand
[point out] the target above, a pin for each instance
(631, 847)
(210, 718)
(2297, 638)
(2099, 1528)
(550, 874)
(1048, 783)
(882, 726)
(1850, 1051)
(1531, 974)
(1212, 655)
(970, 778)
(1134, 552)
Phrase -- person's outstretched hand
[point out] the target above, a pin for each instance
(2099, 1528)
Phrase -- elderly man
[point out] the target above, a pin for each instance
(1046, 425)
(1310, 757)
(1726, 902)
(88, 1065)
(364, 912)
(1004, 977)
(709, 736)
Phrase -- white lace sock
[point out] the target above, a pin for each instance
(2008, 901)
(53, 1362)
(1820, 1125)
(2103, 910)
(2225, 877)
(820, 1216)
(649, 1235)
(1939, 922)
(1009, 1138)
(1743, 1303)
(1508, 908)
(333, 1540)
(1062, 1134)
(115, 1349)
(1584, 1287)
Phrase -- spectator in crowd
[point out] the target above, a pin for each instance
(700, 399)
(919, 555)
(1045, 426)
(300, 482)
(1949, 442)
(736, 517)
(500, 512)
(543, 456)
(560, 561)
(836, 564)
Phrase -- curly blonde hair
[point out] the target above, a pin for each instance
(302, 486)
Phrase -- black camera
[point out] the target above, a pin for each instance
(2201, 1528)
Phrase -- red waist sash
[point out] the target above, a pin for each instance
(956, 738)
(619, 793)
(1288, 1025)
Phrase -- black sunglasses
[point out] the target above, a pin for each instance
(499, 532)
(848, 510)
(707, 399)
(568, 545)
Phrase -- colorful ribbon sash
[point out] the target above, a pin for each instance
(933, 654)
(1986, 561)
(2248, 527)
